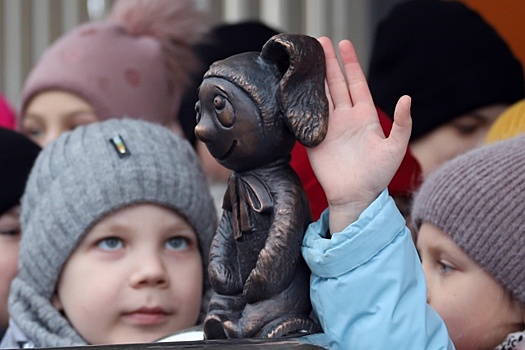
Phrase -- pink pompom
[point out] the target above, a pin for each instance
(177, 25)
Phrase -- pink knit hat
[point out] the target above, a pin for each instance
(136, 63)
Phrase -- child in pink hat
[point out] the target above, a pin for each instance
(136, 63)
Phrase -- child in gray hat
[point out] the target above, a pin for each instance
(368, 286)
(117, 222)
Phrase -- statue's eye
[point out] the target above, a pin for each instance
(224, 111)
(219, 102)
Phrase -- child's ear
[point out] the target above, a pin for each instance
(55, 301)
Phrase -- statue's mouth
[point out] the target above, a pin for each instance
(229, 152)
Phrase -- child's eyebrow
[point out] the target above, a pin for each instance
(107, 229)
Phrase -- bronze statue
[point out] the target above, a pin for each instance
(252, 108)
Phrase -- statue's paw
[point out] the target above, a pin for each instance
(232, 330)
(291, 326)
(222, 280)
(217, 272)
(257, 288)
(213, 327)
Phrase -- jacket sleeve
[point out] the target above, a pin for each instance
(367, 285)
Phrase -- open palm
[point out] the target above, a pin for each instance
(355, 162)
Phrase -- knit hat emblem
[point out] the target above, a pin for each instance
(80, 178)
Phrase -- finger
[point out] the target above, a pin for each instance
(334, 75)
(357, 84)
(402, 126)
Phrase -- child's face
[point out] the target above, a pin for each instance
(51, 113)
(454, 138)
(9, 243)
(478, 312)
(136, 277)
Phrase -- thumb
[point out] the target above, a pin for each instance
(402, 126)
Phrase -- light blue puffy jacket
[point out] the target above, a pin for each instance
(367, 285)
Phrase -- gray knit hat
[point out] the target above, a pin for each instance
(78, 179)
(478, 199)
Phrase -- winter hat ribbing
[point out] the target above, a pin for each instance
(76, 181)
(478, 200)
(447, 58)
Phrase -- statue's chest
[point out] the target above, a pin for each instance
(248, 248)
(251, 203)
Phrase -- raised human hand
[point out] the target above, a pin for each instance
(355, 162)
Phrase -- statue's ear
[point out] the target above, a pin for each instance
(301, 95)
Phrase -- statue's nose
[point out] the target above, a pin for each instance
(204, 129)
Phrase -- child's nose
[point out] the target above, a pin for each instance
(51, 135)
(149, 271)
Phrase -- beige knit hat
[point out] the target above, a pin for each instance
(478, 199)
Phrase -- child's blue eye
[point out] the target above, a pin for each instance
(110, 243)
(445, 268)
(177, 243)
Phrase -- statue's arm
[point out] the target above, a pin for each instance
(223, 271)
(278, 259)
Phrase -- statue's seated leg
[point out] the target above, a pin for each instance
(223, 309)
(213, 328)
(284, 314)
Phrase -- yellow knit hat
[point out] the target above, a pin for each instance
(509, 124)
